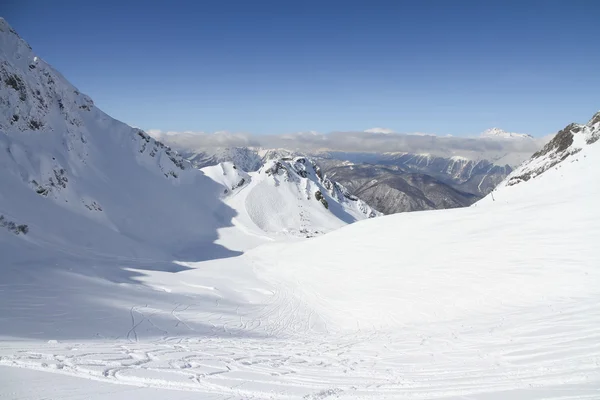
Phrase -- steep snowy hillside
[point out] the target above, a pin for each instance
(567, 143)
(288, 196)
(86, 184)
(228, 175)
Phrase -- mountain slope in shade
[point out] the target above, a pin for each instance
(86, 183)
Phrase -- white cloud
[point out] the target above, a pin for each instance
(380, 130)
(448, 146)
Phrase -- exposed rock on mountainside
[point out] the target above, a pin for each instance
(477, 177)
(393, 190)
(565, 144)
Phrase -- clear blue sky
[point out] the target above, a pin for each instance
(446, 67)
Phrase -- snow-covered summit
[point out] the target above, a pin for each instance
(497, 133)
(287, 196)
(315, 184)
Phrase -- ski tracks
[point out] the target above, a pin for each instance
(278, 350)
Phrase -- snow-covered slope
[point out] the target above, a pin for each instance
(498, 300)
(228, 175)
(86, 184)
(565, 144)
(288, 196)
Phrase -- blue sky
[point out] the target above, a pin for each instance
(445, 67)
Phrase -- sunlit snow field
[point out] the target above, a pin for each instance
(499, 300)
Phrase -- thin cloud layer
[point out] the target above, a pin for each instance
(379, 130)
(378, 142)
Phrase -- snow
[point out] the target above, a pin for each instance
(228, 175)
(281, 200)
(506, 306)
(176, 289)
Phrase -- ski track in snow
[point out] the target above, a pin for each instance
(498, 354)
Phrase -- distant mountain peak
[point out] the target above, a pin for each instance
(497, 133)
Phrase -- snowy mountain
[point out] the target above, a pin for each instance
(392, 189)
(84, 182)
(70, 168)
(448, 176)
(390, 182)
(497, 133)
(122, 274)
(288, 196)
(566, 143)
(475, 177)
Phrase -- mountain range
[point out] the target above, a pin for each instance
(390, 182)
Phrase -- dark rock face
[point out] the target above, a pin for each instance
(475, 177)
(319, 197)
(557, 147)
(557, 150)
(595, 119)
(561, 142)
(392, 190)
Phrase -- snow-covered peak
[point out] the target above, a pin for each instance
(497, 133)
(287, 196)
(300, 167)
